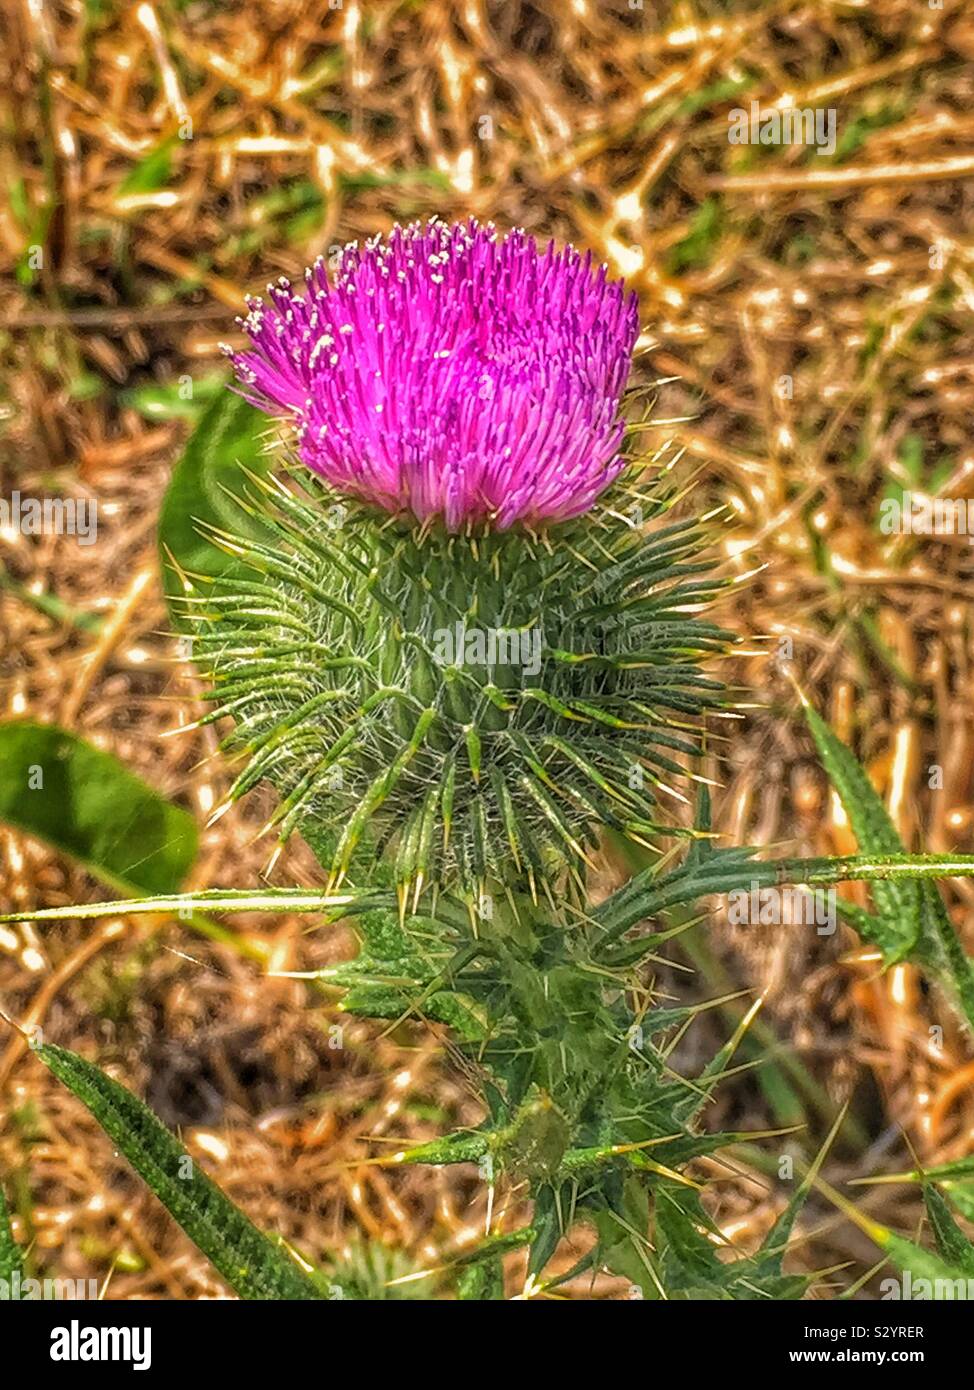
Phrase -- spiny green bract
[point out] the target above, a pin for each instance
(585, 1111)
(478, 705)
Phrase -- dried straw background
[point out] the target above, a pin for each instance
(600, 123)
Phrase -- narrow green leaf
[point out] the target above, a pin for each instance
(247, 1259)
(911, 918)
(961, 1195)
(547, 1230)
(650, 892)
(912, 1259)
(898, 923)
(212, 899)
(452, 1148)
(654, 894)
(952, 1244)
(11, 1256)
(52, 606)
(482, 1282)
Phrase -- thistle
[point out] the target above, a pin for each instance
(456, 637)
(461, 637)
(464, 641)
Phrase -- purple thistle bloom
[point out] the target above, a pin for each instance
(449, 372)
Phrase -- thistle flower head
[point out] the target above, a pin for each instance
(473, 700)
(449, 372)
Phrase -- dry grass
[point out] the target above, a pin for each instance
(815, 314)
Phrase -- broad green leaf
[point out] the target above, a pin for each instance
(252, 1264)
(86, 803)
(228, 440)
(623, 1244)
(11, 1256)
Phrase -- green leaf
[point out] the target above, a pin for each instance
(691, 1268)
(396, 974)
(215, 899)
(911, 918)
(897, 925)
(699, 245)
(547, 1228)
(956, 1178)
(961, 1195)
(921, 1264)
(452, 1148)
(952, 1244)
(482, 1282)
(771, 1255)
(51, 606)
(11, 1256)
(247, 1259)
(207, 490)
(86, 803)
(942, 1274)
(369, 1271)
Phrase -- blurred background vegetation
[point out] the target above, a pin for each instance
(807, 320)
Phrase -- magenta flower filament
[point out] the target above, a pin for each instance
(450, 372)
